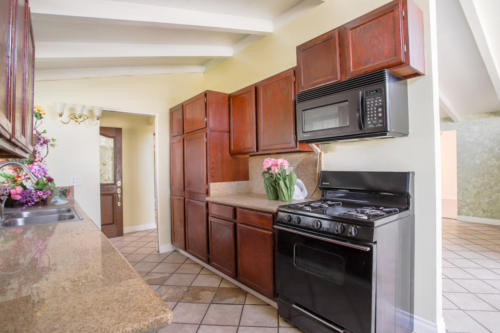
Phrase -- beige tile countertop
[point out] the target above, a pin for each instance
(249, 200)
(68, 277)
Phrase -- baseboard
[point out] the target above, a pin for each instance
(230, 279)
(474, 219)
(141, 227)
(166, 248)
(421, 325)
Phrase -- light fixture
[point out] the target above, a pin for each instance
(77, 113)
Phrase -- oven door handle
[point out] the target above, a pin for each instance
(329, 240)
(307, 313)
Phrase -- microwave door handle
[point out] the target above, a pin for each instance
(361, 110)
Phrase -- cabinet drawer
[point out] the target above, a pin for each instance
(221, 211)
(255, 218)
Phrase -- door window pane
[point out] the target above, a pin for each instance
(107, 158)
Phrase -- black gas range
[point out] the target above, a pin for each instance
(345, 262)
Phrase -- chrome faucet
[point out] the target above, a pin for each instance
(3, 196)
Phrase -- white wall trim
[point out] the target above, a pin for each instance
(421, 325)
(140, 227)
(474, 219)
(166, 248)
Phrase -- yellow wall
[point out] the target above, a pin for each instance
(137, 168)
(77, 151)
(418, 152)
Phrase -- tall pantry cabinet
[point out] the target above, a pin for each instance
(199, 155)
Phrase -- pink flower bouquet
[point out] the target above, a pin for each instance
(279, 179)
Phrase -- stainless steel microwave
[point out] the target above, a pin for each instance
(370, 105)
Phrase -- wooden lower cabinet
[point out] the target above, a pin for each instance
(256, 258)
(178, 227)
(223, 245)
(196, 229)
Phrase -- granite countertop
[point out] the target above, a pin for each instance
(68, 277)
(249, 200)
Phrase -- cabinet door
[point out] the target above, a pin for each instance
(178, 227)
(195, 115)
(223, 245)
(195, 165)
(6, 65)
(374, 41)
(196, 229)
(243, 127)
(318, 61)
(255, 259)
(176, 126)
(276, 112)
(177, 165)
(20, 135)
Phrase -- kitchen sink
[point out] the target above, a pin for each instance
(40, 216)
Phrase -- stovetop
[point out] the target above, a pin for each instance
(339, 209)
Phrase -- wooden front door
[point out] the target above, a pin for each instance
(110, 150)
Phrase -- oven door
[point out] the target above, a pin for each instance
(332, 116)
(327, 280)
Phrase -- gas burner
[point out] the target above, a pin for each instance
(334, 203)
(356, 215)
(389, 210)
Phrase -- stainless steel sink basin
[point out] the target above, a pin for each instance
(40, 216)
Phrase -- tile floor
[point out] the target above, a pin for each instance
(471, 277)
(202, 301)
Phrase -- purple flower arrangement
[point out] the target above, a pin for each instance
(16, 184)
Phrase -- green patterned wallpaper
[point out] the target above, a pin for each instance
(478, 150)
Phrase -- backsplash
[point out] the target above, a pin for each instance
(478, 165)
(304, 165)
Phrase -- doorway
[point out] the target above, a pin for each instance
(135, 196)
(110, 155)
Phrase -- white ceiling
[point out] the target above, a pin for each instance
(468, 57)
(76, 38)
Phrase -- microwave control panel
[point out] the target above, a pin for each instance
(374, 108)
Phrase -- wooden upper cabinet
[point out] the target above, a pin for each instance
(22, 135)
(243, 126)
(178, 226)
(177, 166)
(17, 55)
(388, 37)
(217, 111)
(195, 114)
(176, 121)
(318, 61)
(276, 113)
(195, 168)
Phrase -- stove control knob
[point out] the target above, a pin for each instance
(288, 218)
(339, 228)
(316, 224)
(297, 220)
(352, 231)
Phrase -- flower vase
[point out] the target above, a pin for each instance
(270, 187)
(286, 185)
